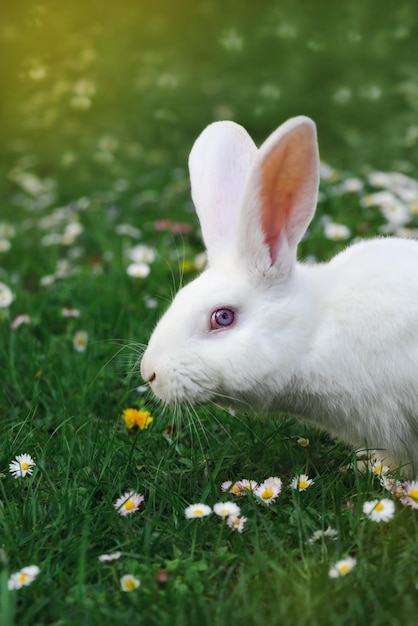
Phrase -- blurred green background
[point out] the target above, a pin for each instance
(92, 89)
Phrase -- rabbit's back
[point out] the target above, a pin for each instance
(359, 377)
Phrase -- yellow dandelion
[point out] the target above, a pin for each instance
(136, 418)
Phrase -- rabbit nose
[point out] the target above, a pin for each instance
(148, 375)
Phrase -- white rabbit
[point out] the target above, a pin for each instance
(335, 343)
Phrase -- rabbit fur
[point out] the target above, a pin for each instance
(335, 343)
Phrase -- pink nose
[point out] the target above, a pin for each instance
(147, 374)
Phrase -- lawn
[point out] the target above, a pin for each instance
(101, 103)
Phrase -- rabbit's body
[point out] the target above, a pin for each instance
(335, 343)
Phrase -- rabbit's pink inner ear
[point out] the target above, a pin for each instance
(288, 189)
(276, 193)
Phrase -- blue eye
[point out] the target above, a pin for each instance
(222, 318)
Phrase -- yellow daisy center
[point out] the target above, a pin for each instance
(267, 493)
(303, 484)
(377, 469)
(343, 569)
(379, 507)
(23, 577)
(24, 466)
(414, 494)
(198, 512)
(129, 505)
(130, 584)
(235, 489)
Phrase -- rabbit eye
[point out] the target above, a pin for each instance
(222, 318)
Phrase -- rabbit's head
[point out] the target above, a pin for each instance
(238, 329)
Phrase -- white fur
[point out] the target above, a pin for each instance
(335, 343)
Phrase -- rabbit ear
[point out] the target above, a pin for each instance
(280, 197)
(219, 164)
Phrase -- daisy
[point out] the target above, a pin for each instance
(134, 417)
(379, 510)
(128, 231)
(142, 254)
(392, 485)
(247, 485)
(329, 533)
(410, 494)
(269, 490)
(23, 578)
(239, 488)
(23, 464)
(301, 482)
(129, 582)
(226, 509)
(378, 469)
(197, 510)
(19, 320)
(138, 270)
(234, 488)
(67, 312)
(236, 523)
(342, 567)
(303, 442)
(108, 558)
(5, 245)
(128, 503)
(6, 296)
(80, 340)
(336, 232)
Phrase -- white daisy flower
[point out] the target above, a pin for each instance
(301, 482)
(240, 487)
(303, 442)
(197, 510)
(142, 254)
(378, 469)
(68, 312)
(329, 533)
(128, 503)
(226, 509)
(22, 465)
(352, 185)
(392, 485)
(23, 577)
(138, 270)
(108, 558)
(80, 340)
(269, 490)
(6, 296)
(129, 582)
(5, 245)
(19, 320)
(247, 485)
(410, 494)
(236, 523)
(342, 567)
(336, 232)
(379, 510)
(128, 231)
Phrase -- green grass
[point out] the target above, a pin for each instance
(152, 84)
